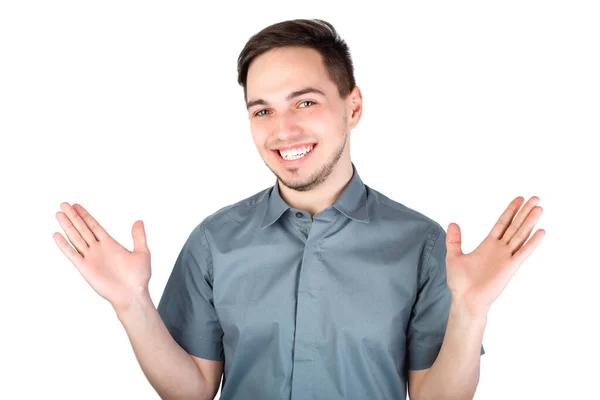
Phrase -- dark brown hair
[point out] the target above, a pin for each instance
(314, 33)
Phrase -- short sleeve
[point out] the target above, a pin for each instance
(429, 316)
(186, 305)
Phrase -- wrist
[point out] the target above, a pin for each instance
(132, 301)
(464, 312)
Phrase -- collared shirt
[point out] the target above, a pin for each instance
(336, 306)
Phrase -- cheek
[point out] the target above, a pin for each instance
(259, 135)
(322, 122)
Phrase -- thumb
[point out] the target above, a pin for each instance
(453, 240)
(139, 237)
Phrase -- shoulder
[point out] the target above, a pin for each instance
(233, 217)
(384, 210)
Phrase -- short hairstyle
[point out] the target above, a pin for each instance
(314, 33)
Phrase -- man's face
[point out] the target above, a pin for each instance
(305, 120)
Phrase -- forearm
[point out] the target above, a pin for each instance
(168, 368)
(455, 373)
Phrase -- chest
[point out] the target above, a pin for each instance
(316, 292)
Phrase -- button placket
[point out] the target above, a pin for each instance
(306, 339)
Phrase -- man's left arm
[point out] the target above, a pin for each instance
(475, 280)
(455, 373)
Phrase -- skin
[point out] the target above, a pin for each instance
(478, 278)
(325, 119)
(475, 279)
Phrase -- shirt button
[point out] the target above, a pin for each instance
(299, 214)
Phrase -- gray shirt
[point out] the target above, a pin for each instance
(338, 306)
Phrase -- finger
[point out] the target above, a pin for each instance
(138, 232)
(525, 230)
(79, 223)
(506, 218)
(67, 250)
(520, 218)
(453, 240)
(523, 253)
(71, 232)
(91, 222)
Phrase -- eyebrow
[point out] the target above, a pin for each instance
(288, 98)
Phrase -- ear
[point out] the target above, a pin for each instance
(354, 103)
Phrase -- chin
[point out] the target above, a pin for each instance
(300, 185)
(296, 178)
(303, 179)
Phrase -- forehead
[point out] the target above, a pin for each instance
(282, 70)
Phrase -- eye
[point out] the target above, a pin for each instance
(258, 113)
(307, 101)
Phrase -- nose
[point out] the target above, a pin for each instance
(286, 125)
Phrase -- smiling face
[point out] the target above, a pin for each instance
(294, 105)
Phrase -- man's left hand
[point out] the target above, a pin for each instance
(477, 279)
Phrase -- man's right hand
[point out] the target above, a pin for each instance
(114, 272)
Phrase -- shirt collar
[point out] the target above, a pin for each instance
(352, 202)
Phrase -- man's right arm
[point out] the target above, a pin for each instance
(122, 276)
(171, 371)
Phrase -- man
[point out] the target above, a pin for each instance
(319, 287)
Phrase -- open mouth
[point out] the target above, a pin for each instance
(291, 156)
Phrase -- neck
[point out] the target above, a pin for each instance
(324, 195)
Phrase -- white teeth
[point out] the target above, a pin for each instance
(294, 154)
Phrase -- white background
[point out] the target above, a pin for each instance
(133, 110)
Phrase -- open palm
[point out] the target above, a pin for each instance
(114, 272)
(476, 279)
